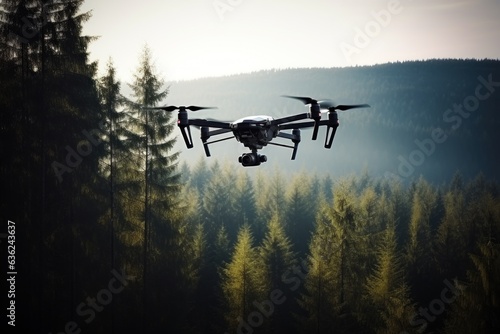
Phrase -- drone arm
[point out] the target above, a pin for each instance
(211, 124)
(206, 134)
(219, 132)
(302, 125)
(289, 119)
(295, 137)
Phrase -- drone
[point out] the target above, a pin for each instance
(256, 132)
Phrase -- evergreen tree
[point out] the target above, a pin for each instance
(420, 247)
(239, 280)
(271, 199)
(200, 175)
(389, 307)
(319, 301)
(47, 117)
(475, 304)
(164, 233)
(299, 212)
(218, 202)
(275, 259)
(334, 282)
(244, 201)
(452, 249)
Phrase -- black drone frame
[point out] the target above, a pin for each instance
(254, 140)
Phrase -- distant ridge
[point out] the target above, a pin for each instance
(429, 117)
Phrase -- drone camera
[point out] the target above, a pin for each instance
(251, 159)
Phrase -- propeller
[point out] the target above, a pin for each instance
(181, 108)
(323, 104)
(183, 121)
(305, 100)
(330, 105)
(327, 104)
(315, 109)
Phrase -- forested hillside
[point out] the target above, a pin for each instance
(409, 101)
(109, 228)
(309, 254)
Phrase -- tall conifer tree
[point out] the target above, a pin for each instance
(240, 280)
(275, 259)
(159, 185)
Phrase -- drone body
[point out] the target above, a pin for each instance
(256, 132)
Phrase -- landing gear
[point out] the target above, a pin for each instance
(251, 159)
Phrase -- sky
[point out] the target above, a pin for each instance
(204, 38)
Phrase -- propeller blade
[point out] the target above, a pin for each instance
(327, 104)
(173, 108)
(196, 108)
(323, 104)
(166, 108)
(305, 100)
(347, 107)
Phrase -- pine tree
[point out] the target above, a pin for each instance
(54, 102)
(420, 247)
(163, 229)
(475, 305)
(271, 197)
(299, 212)
(239, 280)
(321, 285)
(451, 247)
(348, 237)
(389, 307)
(244, 202)
(371, 222)
(109, 92)
(334, 284)
(218, 202)
(200, 175)
(275, 259)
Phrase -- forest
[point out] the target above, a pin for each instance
(109, 227)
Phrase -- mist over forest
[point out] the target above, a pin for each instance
(112, 226)
(422, 106)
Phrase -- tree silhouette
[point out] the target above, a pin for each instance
(477, 301)
(299, 212)
(151, 130)
(389, 309)
(239, 282)
(420, 249)
(275, 259)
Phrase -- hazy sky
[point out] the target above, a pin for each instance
(197, 38)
